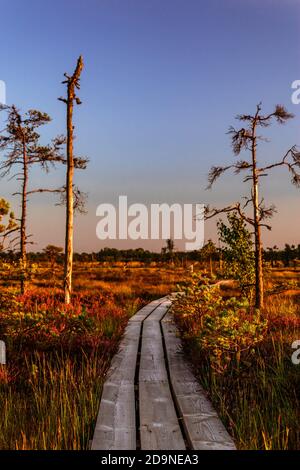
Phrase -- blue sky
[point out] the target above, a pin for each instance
(163, 80)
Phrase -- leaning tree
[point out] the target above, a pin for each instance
(246, 139)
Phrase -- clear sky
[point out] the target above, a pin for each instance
(163, 80)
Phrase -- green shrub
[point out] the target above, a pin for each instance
(225, 330)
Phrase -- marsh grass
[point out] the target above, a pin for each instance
(259, 404)
(50, 406)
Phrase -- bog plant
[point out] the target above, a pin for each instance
(58, 356)
(40, 322)
(226, 331)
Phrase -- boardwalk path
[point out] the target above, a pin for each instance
(151, 399)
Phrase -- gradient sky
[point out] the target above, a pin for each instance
(163, 80)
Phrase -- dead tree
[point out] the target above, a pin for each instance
(21, 148)
(247, 139)
(73, 83)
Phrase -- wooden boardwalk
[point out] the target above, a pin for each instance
(151, 399)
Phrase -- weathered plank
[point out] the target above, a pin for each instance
(145, 311)
(116, 422)
(115, 428)
(203, 427)
(159, 428)
(152, 362)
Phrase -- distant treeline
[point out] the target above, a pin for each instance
(288, 256)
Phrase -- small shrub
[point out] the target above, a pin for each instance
(225, 330)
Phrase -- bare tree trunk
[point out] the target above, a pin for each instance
(259, 289)
(69, 200)
(72, 83)
(23, 257)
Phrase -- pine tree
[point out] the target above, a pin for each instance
(246, 139)
(20, 144)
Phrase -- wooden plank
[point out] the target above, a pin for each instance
(160, 311)
(146, 310)
(159, 428)
(207, 432)
(203, 427)
(116, 426)
(152, 363)
(122, 368)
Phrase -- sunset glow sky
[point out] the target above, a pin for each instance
(163, 81)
